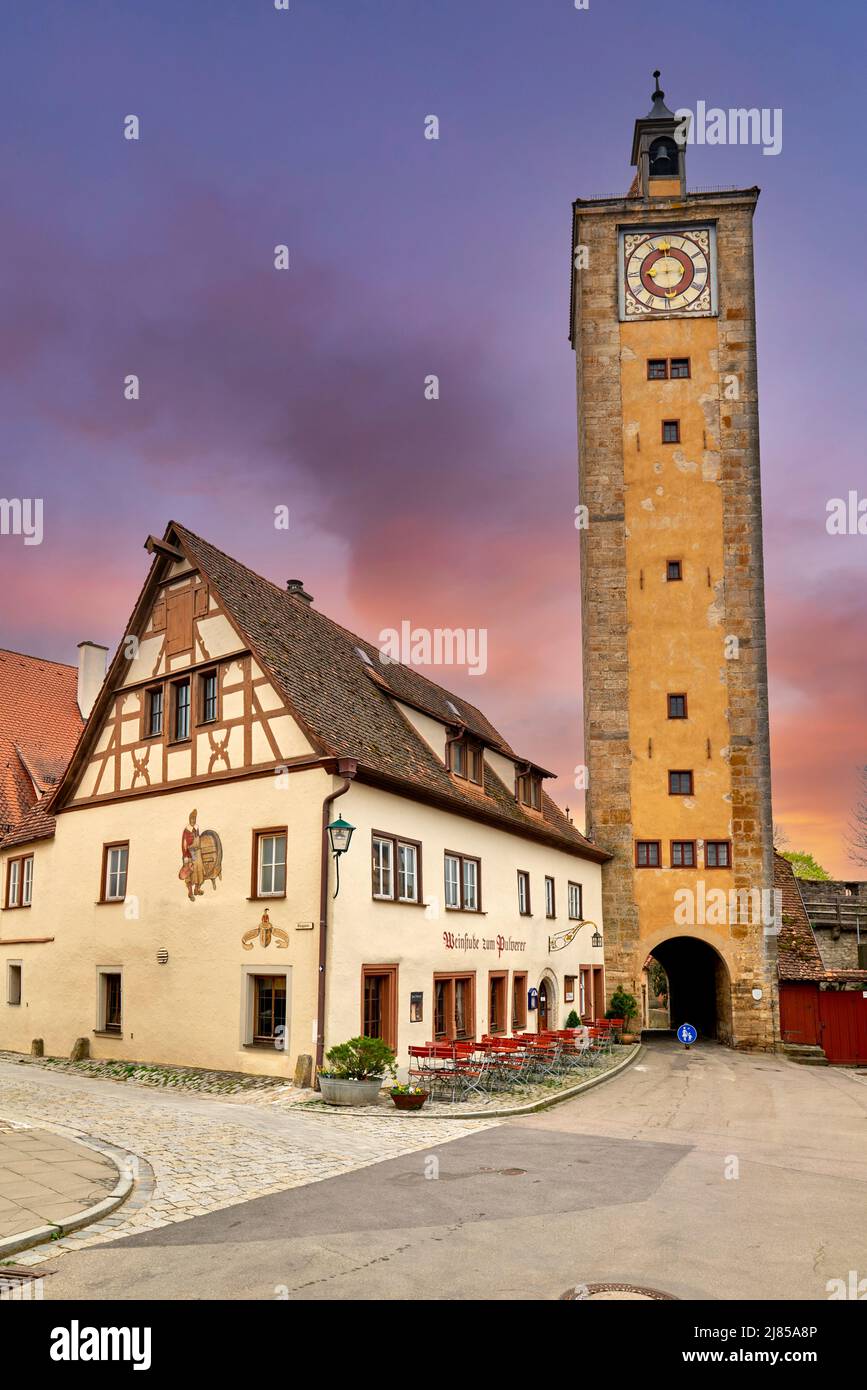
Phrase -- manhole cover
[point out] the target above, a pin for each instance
(505, 1172)
(595, 1293)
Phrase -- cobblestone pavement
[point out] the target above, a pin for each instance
(204, 1153)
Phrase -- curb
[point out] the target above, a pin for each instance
(125, 1163)
(531, 1108)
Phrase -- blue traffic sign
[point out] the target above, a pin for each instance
(686, 1034)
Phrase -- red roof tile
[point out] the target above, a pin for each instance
(39, 727)
(798, 955)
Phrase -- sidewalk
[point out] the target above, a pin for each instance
(46, 1181)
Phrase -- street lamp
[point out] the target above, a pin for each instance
(340, 835)
(596, 938)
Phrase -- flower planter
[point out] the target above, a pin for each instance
(410, 1102)
(345, 1092)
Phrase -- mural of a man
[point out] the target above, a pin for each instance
(192, 869)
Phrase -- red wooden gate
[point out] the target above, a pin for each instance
(843, 1025)
(799, 1013)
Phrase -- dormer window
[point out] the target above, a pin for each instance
(465, 759)
(528, 790)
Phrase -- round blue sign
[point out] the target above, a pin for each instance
(686, 1034)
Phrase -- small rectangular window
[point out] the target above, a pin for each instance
(677, 706)
(680, 784)
(576, 906)
(269, 1009)
(272, 864)
(529, 790)
(679, 367)
(383, 867)
(464, 757)
(181, 730)
(671, 431)
(683, 854)
(519, 1001)
(471, 886)
(13, 983)
(647, 854)
(112, 1002)
(568, 989)
(657, 369)
(115, 863)
(13, 883)
(550, 904)
(673, 570)
(462, 883)
(453, 889)
(523, 893)
(154, 725)
(717, 854)
(27, 880)
(208, 697)
(407, 872)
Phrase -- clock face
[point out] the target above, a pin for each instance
(667, 273)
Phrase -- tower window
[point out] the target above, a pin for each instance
(657, 369)
(680, 784)
(671, 431)
(663, 158)
(673, 570)
(679, 368)
(677, 706)
(683, 854)
(717, 854)
(647, 854)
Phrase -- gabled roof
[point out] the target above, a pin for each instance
(346, 705)
(39, 726)
(798, 955)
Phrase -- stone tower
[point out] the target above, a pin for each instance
(675, 674)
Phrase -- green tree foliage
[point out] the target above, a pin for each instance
(805, 865)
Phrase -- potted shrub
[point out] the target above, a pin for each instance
(408, 1097)
(573, 1021)
(356, 1071)
(623, 1006)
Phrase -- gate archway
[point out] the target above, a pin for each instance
(699, 986)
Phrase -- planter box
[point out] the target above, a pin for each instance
(350, 1092)
(407, 1102)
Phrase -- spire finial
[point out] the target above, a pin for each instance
(657, 92)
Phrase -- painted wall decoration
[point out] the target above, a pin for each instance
(263, 933)
(202, 858)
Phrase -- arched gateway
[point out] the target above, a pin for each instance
(699, 986)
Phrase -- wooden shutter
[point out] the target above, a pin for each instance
(159, 614)
(179, 622)
(201, 600)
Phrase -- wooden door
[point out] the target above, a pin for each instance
(543, 1007)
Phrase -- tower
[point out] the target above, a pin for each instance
(675, 674)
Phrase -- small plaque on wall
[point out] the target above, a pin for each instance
(416, 1007)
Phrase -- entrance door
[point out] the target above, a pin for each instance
(378, 1003)
(543, 1006)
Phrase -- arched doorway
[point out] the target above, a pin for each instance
(547, 1003)
(699, 986)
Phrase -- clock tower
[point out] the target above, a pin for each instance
(673, 620)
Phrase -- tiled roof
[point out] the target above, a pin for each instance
(347, 710)
(798, 955)
(39, 727)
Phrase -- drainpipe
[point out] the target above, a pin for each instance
(347, 768)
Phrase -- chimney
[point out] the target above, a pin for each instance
(296, 587)
(91, 674)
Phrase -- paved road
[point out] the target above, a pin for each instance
(633, 1182)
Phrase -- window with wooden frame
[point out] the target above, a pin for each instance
(454, 1007)
(528, 790)
(498, 993)
(465, 758)
(576, 904)
(269, 862)
(524, 893)
(568, 989)
(379, 1003)
(115, 863)
(677, 707)
(209, 697)
(657, 368)
(717, 854)
(269, 1009)
(519, 1001)
(585, 991)
(671, 431)
(110, 1018)
(396, 868)
(679, 368)
(550, 897)
(154, 702)
(462, 882)
(680, 783)
(14, 970)
(19, 881)
(180, 711)
(647, 854)
(179, 621)
(683, 854)
(673, 571)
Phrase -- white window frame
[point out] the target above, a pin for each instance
(13, 883)
(550, 898)
(272, 892)
(470, 886)
(383, 872)
(409, 875)
(27, 881)
(576, 890)
(523, 893)
(453, 882)
(110, 873)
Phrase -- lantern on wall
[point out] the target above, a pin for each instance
(340, 835)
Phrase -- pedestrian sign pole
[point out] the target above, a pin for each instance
(687, 1035)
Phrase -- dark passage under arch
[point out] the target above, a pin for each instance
(699, 985)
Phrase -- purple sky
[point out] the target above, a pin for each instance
(409, 257)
